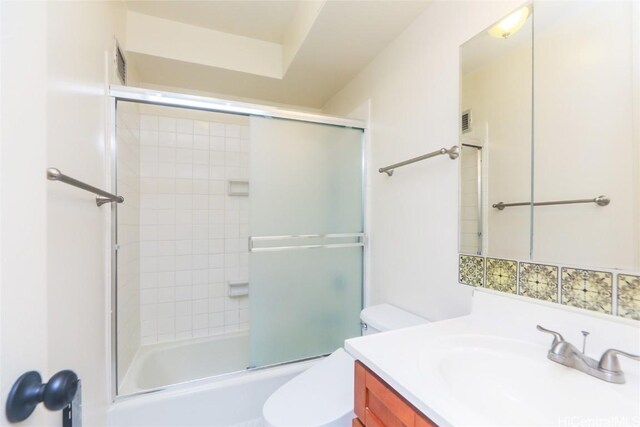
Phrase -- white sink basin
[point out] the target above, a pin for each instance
(511, 382)
(490, 368)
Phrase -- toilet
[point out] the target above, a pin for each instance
(322, 396)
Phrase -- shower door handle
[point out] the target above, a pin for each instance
(359, 236)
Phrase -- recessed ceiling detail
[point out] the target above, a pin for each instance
(260, 20)
(288, 52)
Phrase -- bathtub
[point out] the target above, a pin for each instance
(229, 400)
(159, 365)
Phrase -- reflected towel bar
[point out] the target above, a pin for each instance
(453, 153)
(54, 174)
(600, 201)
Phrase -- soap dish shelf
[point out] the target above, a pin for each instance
(238, 188)
(238, 289)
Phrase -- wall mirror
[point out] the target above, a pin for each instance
(496, 137)
(550, 136)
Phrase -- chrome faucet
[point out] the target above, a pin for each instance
(565, 353)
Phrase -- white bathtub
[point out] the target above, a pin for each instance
(160, 365)
(230, 400)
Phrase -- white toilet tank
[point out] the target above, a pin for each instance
(330, 381)
(386, 317)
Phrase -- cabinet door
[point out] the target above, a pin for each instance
(377, 404)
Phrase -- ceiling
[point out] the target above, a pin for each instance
(323, 49)
(262, 20)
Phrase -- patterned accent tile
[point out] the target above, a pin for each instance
(587, 289)
(539, 281)
(629, 296)
(471, 270)
(502, 275)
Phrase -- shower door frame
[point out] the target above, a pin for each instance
(214, 105)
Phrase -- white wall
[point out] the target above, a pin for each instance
(1, 169)
(79, 54)
(413, 87)
(23, 295)
(56, 63)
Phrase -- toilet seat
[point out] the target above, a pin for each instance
(320, 396)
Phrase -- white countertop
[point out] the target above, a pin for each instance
(490, 367)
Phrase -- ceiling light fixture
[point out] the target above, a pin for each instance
(511, 24)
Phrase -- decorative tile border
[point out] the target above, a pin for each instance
(539, 281)
(588, 289)
(502, 275)
(629, 296)
(609, 292)
(471, 270)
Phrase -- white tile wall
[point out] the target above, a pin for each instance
(193, 236)
(128, 133)
(469, 225)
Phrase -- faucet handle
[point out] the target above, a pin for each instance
(609, 360)
(556, 335)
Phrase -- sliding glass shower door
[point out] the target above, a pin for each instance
(306, 244)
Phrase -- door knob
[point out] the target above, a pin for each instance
(29, 390)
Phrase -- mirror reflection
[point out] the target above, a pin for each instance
(586, 133)
(558, 174)
(496, 103)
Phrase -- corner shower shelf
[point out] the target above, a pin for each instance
(238, 289)
(238, 188)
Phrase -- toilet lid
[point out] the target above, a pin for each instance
(318, 396)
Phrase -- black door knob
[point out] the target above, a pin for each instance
(29, 390)
(60, 390)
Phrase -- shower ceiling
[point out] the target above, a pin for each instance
(288, 52)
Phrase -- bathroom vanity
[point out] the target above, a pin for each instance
(482, 370)
(376, 403)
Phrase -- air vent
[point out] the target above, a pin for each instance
(465, 121)
(121, 65)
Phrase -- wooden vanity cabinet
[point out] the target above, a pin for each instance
(378, 405)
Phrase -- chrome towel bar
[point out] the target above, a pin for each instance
(600, 201)
(54, 174)
(453, 153)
